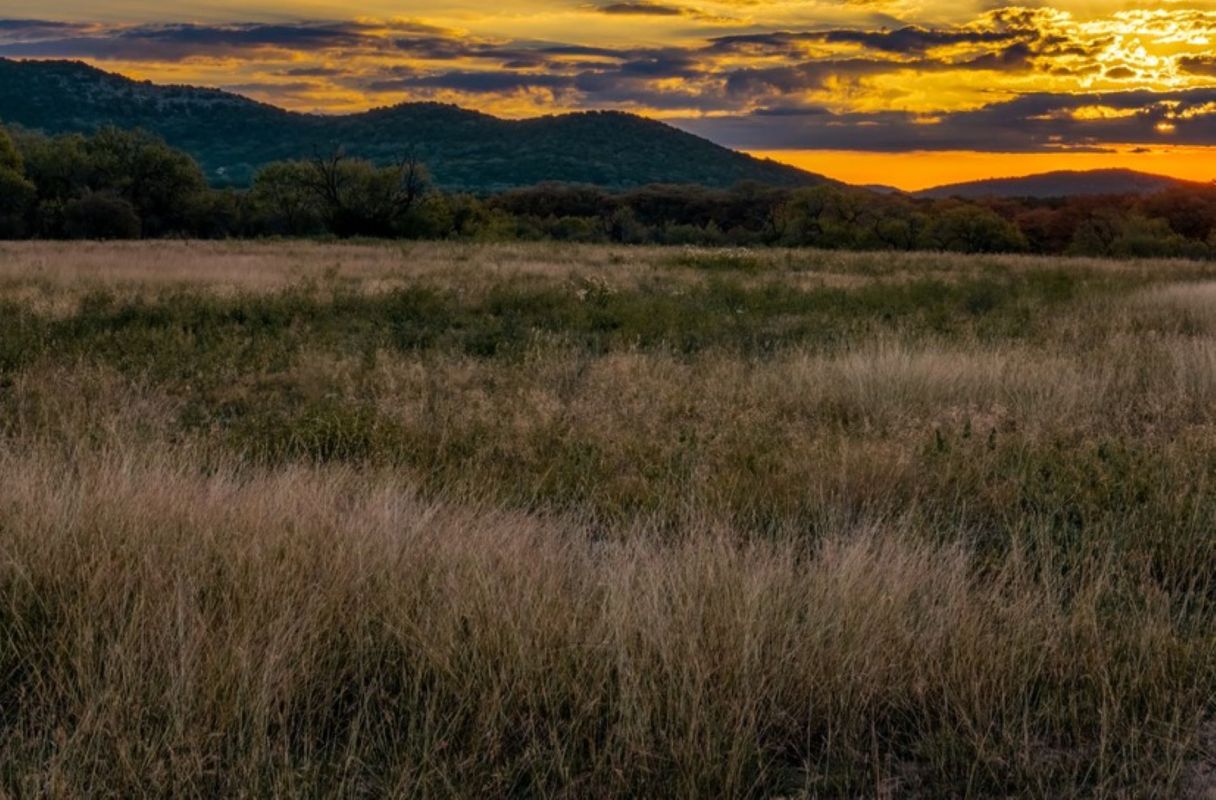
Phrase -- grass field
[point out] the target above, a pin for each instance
(593, 522)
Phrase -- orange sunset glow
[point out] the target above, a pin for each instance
(921, 169)
(895, 92)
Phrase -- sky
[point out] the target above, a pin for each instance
(910, 93)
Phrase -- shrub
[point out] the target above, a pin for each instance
(100, 215)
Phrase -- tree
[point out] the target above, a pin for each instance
(10, 159)
(358, 198)
(1096, 235)
(17, 194)
(800, 219)
(1047, 229)
(59, 169)
(17, 198)
(850, 218)
(972, 229)
(557, 200)
(283, 196)
(161, 183)
(1190, 212)
(623, 226)
(1141, 237)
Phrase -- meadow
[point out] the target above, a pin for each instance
(559, 521)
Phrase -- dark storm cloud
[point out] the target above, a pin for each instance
(1033, 122)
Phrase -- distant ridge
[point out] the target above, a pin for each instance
(1062, 183)
(232, 136)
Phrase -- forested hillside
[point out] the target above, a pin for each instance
(232, 136)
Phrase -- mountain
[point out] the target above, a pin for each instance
(1061, 184)
(881, 188)
(232, 136)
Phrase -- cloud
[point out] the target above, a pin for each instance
(642, 9)
(313, 72)
(11, 29)
(756, 83)
(482, 82)
(908, 40)
(255, 87)
(1198, 65)
(1037, 122)
(1014, 58)
(182, 41)
(938, 85)
(917, 40)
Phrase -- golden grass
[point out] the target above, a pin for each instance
(52, 271)
(965, 554)
(321, 629)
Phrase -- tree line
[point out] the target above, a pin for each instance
(120, 184)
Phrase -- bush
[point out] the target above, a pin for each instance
(99, 215)
(216, 215)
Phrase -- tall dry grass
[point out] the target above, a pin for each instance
(322, 630)
(463, 521)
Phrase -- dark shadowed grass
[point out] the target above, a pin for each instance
(196, 332)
